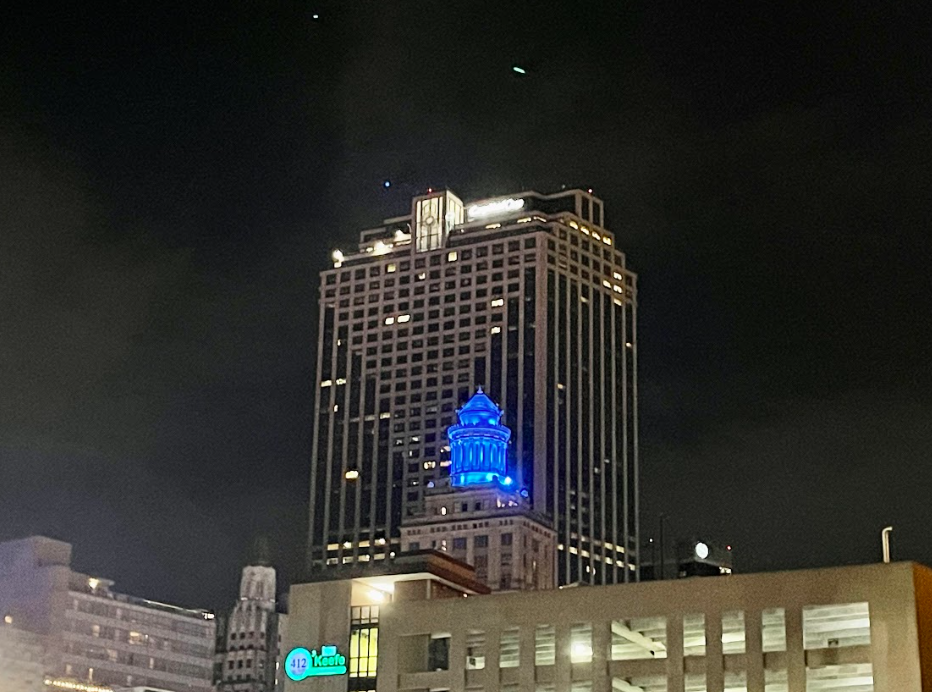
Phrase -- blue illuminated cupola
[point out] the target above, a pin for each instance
(478, 443)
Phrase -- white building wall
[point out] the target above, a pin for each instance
(588, 639)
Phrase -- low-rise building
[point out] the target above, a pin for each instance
(846, 629)
(95, 637)
(22, 658)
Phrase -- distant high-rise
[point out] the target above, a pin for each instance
(526, 295)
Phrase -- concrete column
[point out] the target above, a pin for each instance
(675, 678)
(795, 654)
(601, 643)
(458, 661)
(526, 657)
(714, 665)
(563, 671)
(754, 652)
(492, 650)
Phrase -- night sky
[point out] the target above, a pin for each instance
(173, 176)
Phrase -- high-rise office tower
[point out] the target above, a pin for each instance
(526, 295)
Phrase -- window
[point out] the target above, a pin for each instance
(438, 652)
(773, 629)
(475, 650)
(639, 638)
(733, 636)
(544, 645)
(482, 542)
(694, 635)
(835, 626)
(459, 544)
(506, 539)
(509, 649)
(581, 643)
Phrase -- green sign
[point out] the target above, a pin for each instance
(301, 663)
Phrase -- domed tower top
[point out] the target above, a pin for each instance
(478, 443)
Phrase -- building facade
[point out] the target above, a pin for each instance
(849, 629)
(478, 515)
(94, 636)
(23, 661)
(249, 639)
(527, 296)
(339, 620)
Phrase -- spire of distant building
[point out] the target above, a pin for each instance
(261, 553)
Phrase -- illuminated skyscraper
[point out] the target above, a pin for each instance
(526, 295)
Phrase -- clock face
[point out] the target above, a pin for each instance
(429, 220)
(702, 551)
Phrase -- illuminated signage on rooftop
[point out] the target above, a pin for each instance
(496, 208)
(301, 663)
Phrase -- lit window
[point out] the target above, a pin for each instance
(496, 330)
(389, 320)
(341, 380)
(391, 268)
(404, 318)
(352, 475)
(581, 643)
(451, 256)
(606, 240)
(498, 302)
(326, 383)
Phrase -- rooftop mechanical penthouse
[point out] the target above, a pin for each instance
(526, 295)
